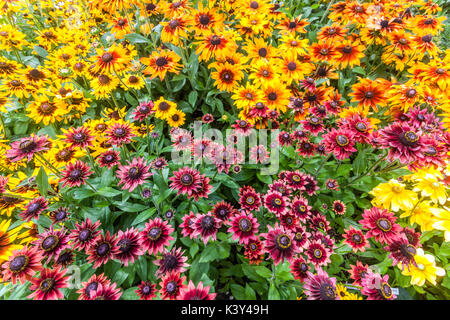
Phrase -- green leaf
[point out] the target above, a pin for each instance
(267, 179)
(130, 294)
(249, 293)
(193, 98)
(143, 216)
(81, 194)
(136, 38)
(40, 51)
(238, 291)
(42, 182)
(273, 292)
(131, 207)
(109, 192)
(263, 271)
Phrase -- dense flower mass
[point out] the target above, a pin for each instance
(246, 149)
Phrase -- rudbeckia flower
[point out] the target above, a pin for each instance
(424, 270)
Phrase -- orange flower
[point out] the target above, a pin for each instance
(368, 94)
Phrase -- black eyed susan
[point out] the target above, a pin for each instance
(291, 68)
(215, 45)
(276, 96)
(252, 7)
(264, 72)
(176, 8)
(246, 96)
(291, 42)
(161, 62)
(164, 108)
(44, 111)
(121, 27)
(227, 76)
(259, 49)
(17, 88)
(133, 81)
(368, 93)
(114, 59)
(206, 19)
(176, 119)
(176, 29)
(401, 42)
(8, 67)
(423, 25)
(296, 25)
(11, 38)
(321, 52)
(104, 84)
(332, 33)
(49, 37)
(349, 54)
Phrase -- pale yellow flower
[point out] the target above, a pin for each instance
(393, 196)
(426, 269)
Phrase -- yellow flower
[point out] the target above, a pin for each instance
(421, 215)
(6, 240)
(426, 269)
(344, 294)
(431, 187)
(443, 223)
(393, 195)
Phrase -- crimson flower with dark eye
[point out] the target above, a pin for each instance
(318, 254)
(249, 199)
(187, 225)
(172, 260)
(146, 290)
(143, 111)
(381, 225)
(207, 226)
(106, 291)
(128, 245)
(108, 159)
(355, 239)
(102, 250)
(52, 242)
(91, 285)
(171, 286)
(33, 209)
(223, 210)
(27, 147)
(84, 234)
(358, 272)
(120, 133)
(22, 265)
(280, 244)
(75, 174)
(300, 208)
(186, 181)
(155, 236)
(401, 251)
(276, 203)
(376, 287)
(133, 174)
(295, 180)
(339, 207)
(47, 286)
(299, 269)
(253, 251)
(320, 286)
(243, 227)
(79, 137)
(340, 142)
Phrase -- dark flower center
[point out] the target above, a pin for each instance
(369, 94)
(47, 285)
(324, 51)
(254, 5)
(331, 31)
(317, 253)
(34, 207)
(292, 25)
(161, 62)
(347, 49)
(215, 40)
(84, 235)
(174, 24)
(250, 200)
(245, 225)
(384, 23)
(125, 245)
(342, 140)
(103, 79)
(440, 71)
(91, 287)
(49, 243)
(207, 223)
(283, 242)
(60, 215)
(385, 290)
(146, 290)
(427, 38)
(134, 173)
(120, 132)
(154, 233)
(431, 151)
(133, 79)
(356, 238)
(121, 22)
(227, 76)
(79, 137)
(361, 127)
(408, 250)
(171, 287)
(107, 57)
(36, 74)
(292, 66)
(276, 202)
(187, 179)
(109, 158)
(303, 267)
(327, 292)
(204, 19)
(103, 249)
(408, 138)
(75, 174)
(27, 146)
(163, 106)
(19, 263)
(384, 224)
(262, 52)
(411, 93)
(170, 262)
(272, 96)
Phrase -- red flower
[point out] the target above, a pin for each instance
(318, 254)
(253, 251)
(320, 286)
(91, 285)
(22, 265)
(279, 244)
(196, 293)
(47, 286)
(102, 250)
(381, 225)
(204, 190)
(27, 147)
(405, 143)
(223, 210)
(187, 225)
(34, 208)
(310, 185)
(75, 174)
(84, 235)
(206, 225)
(105, 292)
(358, 272)
(295, 179)
(249, 199)
(301, 236)
(276, 203)
(59, 215)
(119, 133)
(186, 181)
(281, 187)
(143, 111)
(108, 159)
(146, 290)
(355, 239)
(79, 137)
(171, 285)
(306, 148)
(243, 127)
(52, 242)
(244, 227)
(340, 142)
(171, 261)
(155, 236)
(129, 246)
(402, 252)
(360, 126)
(300, 208)
(299, 269)
(339, 207)
(133, 174)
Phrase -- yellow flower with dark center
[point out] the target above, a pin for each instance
(424, 269)
(206, 19)
(227, 77)
(276, 96)
(11, 38)
(176, 29)
(349, 54)
(164, 108)
(176, 119)
(104, 84)
(114, 59)
(42, 110)
(121, 27)
(215, 45)
(7, 239)
(264, 72)
(49, 37)
(259, 49)
(133, 81)
(161, 62)
(291, 42)
(247, 96)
